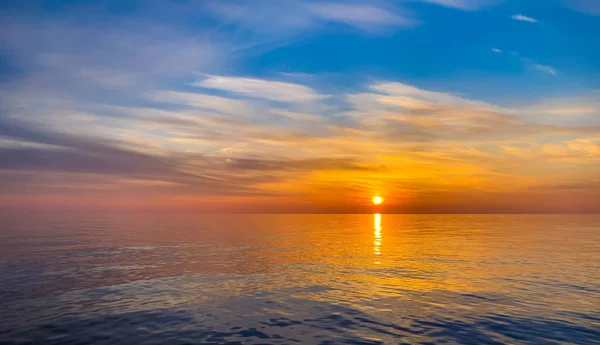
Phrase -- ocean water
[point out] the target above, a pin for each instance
(299, 279)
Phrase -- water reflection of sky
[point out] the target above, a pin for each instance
(460, 279)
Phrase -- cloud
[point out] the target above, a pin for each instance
(584, 106)
(77, 57)
(263, 89)
(274, 20)
(530, 63)
(572, 111)
(401, 89)
(544, 68)
(299, 116)
(295, 165)
(279, 23)
(516, 151)
(78, 154)
(96, 157)
(580, 150)
(197, 144)
(208, 102)
(469, 5)
(358, 15)
(496, 50)
(406, 114)
(11, 143)
(523, 18)
(590, 147)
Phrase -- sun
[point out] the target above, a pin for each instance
(377, 200)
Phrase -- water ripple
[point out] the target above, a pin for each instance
(300, 279)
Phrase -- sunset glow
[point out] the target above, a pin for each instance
(207, 110)
(299, 171)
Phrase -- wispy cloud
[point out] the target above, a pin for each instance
(544, 68)
(114, 57)
(202, 101)
(531, 63)
(573, 111)
(523, 18)
(78, 62)
(586, 104)
(261, 88)
(410, 93)
(358, 15)
(287, 20)
(462, 4)
(292, 17)
(416, 115)
(206, 145)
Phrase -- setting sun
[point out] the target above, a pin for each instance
(377, 200)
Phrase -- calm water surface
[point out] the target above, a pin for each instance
(299, 279)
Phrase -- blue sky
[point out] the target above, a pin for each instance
(428, 43)
(178, 84)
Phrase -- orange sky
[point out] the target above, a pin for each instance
(422, 151)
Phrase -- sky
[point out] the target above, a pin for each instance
(438, 106)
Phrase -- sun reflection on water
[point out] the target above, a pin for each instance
(377, 236)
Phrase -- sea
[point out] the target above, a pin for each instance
(184, 278)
